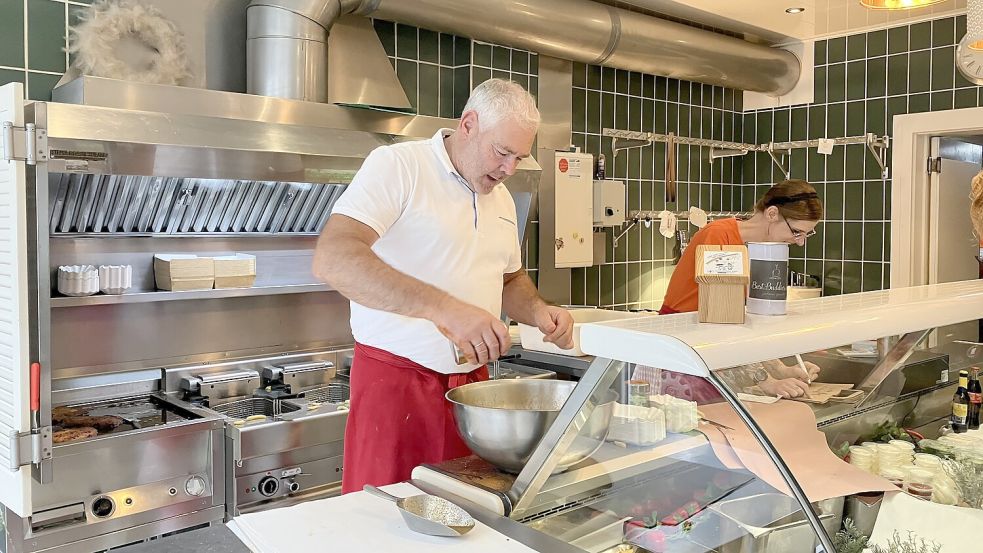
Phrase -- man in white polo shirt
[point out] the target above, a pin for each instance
(425, 245)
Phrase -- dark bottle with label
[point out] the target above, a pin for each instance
(975, 400)
(960, 405)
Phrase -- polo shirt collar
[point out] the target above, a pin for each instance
(440, 149)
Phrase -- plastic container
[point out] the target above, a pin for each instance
(681, 415)
(768, 291)
(862, 458)
(532, 338)
(919, 483)
(634, 425)
(895, 476)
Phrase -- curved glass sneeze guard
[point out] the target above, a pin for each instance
(660, 475)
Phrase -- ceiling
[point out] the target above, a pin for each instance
(766, 21)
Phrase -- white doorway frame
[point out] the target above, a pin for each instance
(910, 190)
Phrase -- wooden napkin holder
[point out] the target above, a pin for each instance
(722, 274)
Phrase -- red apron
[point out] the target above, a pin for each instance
(399, 418)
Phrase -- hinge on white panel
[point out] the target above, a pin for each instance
(934, 165)
(28, 448)
(28, 143)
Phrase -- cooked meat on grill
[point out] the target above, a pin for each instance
(58, 414)
(102, 423)
(73, 434)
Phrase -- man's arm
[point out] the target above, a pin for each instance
(522, 302)
(344, 259)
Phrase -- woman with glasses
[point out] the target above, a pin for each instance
(788, 212)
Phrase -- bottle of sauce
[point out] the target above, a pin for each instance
(975, 391)
(959, 420)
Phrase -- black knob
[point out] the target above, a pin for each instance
(269, 486)
(293, 487)
(609, 212)
(102, 507)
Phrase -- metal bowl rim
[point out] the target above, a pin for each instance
(546, 383)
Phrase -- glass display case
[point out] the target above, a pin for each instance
(697, 456)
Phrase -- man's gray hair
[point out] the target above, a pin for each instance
(498, 99)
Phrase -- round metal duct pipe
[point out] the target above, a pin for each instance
(578, 30)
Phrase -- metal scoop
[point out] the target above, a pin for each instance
(429, 514)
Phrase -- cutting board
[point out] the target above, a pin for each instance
(357, 522)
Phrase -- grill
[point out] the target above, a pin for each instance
(243, 408)
(332, 393)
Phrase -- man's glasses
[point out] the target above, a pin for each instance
(799, 234)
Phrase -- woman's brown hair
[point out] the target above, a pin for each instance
(976, 204)
(795, 199)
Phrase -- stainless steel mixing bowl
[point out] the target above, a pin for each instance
(502, 421)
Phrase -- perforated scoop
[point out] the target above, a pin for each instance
(429, 514)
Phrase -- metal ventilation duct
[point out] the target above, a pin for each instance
(578, 30)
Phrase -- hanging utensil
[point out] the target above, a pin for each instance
(429, 514)
(671, 168)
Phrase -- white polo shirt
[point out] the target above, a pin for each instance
(434, 228)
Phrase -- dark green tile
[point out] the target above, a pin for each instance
(462, 89)
(429, 46)
(836, 82)
(897, 74)
(406, 42)
(648, 86)
(853, 200)
(500, 74)
(672, 90)
(718, 97)
(819, 52)
(853, 241)
(799, 123)
(634, 114)
(46, 35)
(664, 113)
(534, 85)
(852, 274)
(833, 199)
(648, 115)
(765, 126)
(960, 26)
(943, 68)
(607, 79)
(429, 85)
(856, 47)
(872, 276)
(520, 79)
(856, 80)
(578, 286)
(942, 100)
(817, 122)
(661, 88)
(873, 201)
(446, 92)
(835, 120)
(594, 77)
(834, 240)
(385, 30)
(10, 76)
(607, 284)
(520, 61)
(607, 111)
(462, 51)
(782, 125)
(919, 71)
(873, 241)
(832, 278)
(406, 71)
(684, 120)
(897, 40)
(819, 85)
(482, 54)
(895, 106)
(501, 58)
(855, 154)
(876, 77)
(480, 75)
(855, 119)
(593, 285)
(620, 112)
(634, 282)
(797, 164)
(836, 50)
(944, 32)
(965, 98)
(621, 81)
(635, 83)
(876, 43)
(579, 105)
(685, 90)
(446, 50)
(814, 245)
(534, 63)
(918, 103)
(875, 116)
(920, 36)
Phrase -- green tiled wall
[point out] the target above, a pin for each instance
(637, 270)
(37, 59)
(861, 82)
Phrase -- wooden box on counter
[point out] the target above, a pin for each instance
(183, 272)
(235, 271)
(722, 274)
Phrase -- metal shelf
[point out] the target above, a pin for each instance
(143, 297)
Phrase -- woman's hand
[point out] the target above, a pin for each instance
(781, 370)
(784, 388)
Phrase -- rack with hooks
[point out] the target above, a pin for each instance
(876, 145)
(649, 217)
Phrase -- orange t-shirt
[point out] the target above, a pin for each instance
(682, 296)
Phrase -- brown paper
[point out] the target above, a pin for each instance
(791, 427)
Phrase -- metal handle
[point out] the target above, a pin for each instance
(379, 493)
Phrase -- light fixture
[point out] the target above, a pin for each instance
(794, 10)
(897, 4)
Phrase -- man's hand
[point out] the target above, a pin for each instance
(794, 371)
(784, 388)
(480, 336)
(557, 325)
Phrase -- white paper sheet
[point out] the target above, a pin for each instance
(956, 529)
(357, 522)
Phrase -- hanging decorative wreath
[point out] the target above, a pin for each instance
(133, 42)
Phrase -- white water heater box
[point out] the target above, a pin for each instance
(574, 203)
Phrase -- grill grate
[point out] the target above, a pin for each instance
(332, 393)
(249, 407)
